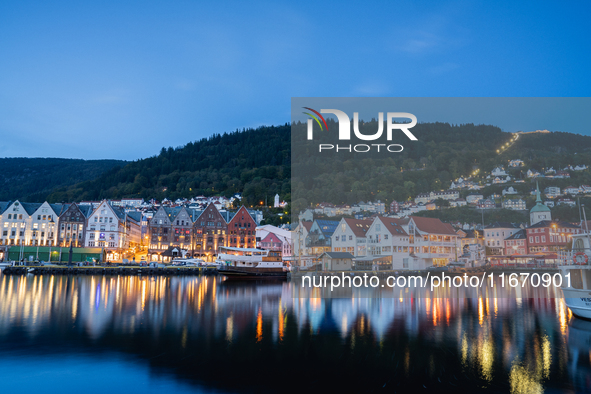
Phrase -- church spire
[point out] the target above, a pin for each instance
(538, 198)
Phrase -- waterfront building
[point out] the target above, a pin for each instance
(336, 261)
(280, 235)
(242, 230)
(72, 225)
(550, 236)
(388, 237)
(516, 244)
(210, 232)
(431, 243)
(350, 236)
(319, 236)
(114, 230)
(495, 235)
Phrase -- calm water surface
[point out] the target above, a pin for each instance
(201, 334)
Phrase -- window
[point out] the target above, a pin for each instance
(350, 238)
(343, 238)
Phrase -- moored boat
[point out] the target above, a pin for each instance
(251, 263)
(576, 275)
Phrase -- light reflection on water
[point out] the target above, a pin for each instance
(198, 329)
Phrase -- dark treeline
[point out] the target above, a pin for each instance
(443, 153)
(255, 162)
(32, 179)
(258, 163)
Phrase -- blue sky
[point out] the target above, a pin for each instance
(110, 80)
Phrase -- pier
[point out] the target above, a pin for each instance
(114, 271)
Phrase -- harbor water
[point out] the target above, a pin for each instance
(202, 334)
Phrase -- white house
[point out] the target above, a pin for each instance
(110, 228)
(474, 198)
(282, 235)
(509, 190)
(496, 234)
(498, 171)
(515, 204)
(571, 190)
(44, 225)
(301, 253)
(551, 192)
(431, 243)
(458, 202)
(388, 237)
(29, 224)
(350, 236)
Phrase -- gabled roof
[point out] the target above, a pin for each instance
(501, 225)
(307, 225)
(134, 215)
(59, 208)
(518, 235)
(359, 226)
(119, 212)
(194, 214)
(30, 207)
(338, 255)
(4, 205)
(549, 223)
(85, 209)
(432, 225)
(271, 237)
(238, 211)
(394, 226)
(327, 227)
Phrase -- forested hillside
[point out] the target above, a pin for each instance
(258, 163)
(255, 162)
(31, 179)
(442, 154)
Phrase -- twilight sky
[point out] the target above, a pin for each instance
(121, 80)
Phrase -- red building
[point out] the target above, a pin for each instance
(242, 230)
(394, 207)
(209, 231)
(516, 244)
(271, 242)
(550, 236)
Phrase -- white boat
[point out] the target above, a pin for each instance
(575, 269)
(251, 262)
(189, 262)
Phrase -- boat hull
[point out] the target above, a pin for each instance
(578, 301)
(248, 272)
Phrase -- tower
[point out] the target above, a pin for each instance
(539, 212)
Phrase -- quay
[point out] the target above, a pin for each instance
(105, 270)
